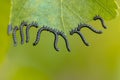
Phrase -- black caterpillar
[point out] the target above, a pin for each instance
(54, 31)
(101, 20)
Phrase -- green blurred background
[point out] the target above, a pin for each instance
(100, 61)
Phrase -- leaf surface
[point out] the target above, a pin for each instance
(61, 14)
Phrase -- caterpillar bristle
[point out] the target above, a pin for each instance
(73, 31)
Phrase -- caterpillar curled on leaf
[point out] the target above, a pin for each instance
(101, 20)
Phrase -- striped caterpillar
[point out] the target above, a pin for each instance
(54, 31)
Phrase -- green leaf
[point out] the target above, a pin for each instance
(118, 1)
(61, 14)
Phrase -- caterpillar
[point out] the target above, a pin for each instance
(54, 31)
(33, 24)
(101, 20)
(14, 35)
(21, 31)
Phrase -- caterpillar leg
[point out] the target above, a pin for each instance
(14, 35)
(101, 20)
(55, 32)
(33, 24)
(77, 31)
(21, 31)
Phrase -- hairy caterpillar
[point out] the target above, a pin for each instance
(54, 31)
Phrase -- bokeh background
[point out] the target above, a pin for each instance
(100, 61)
